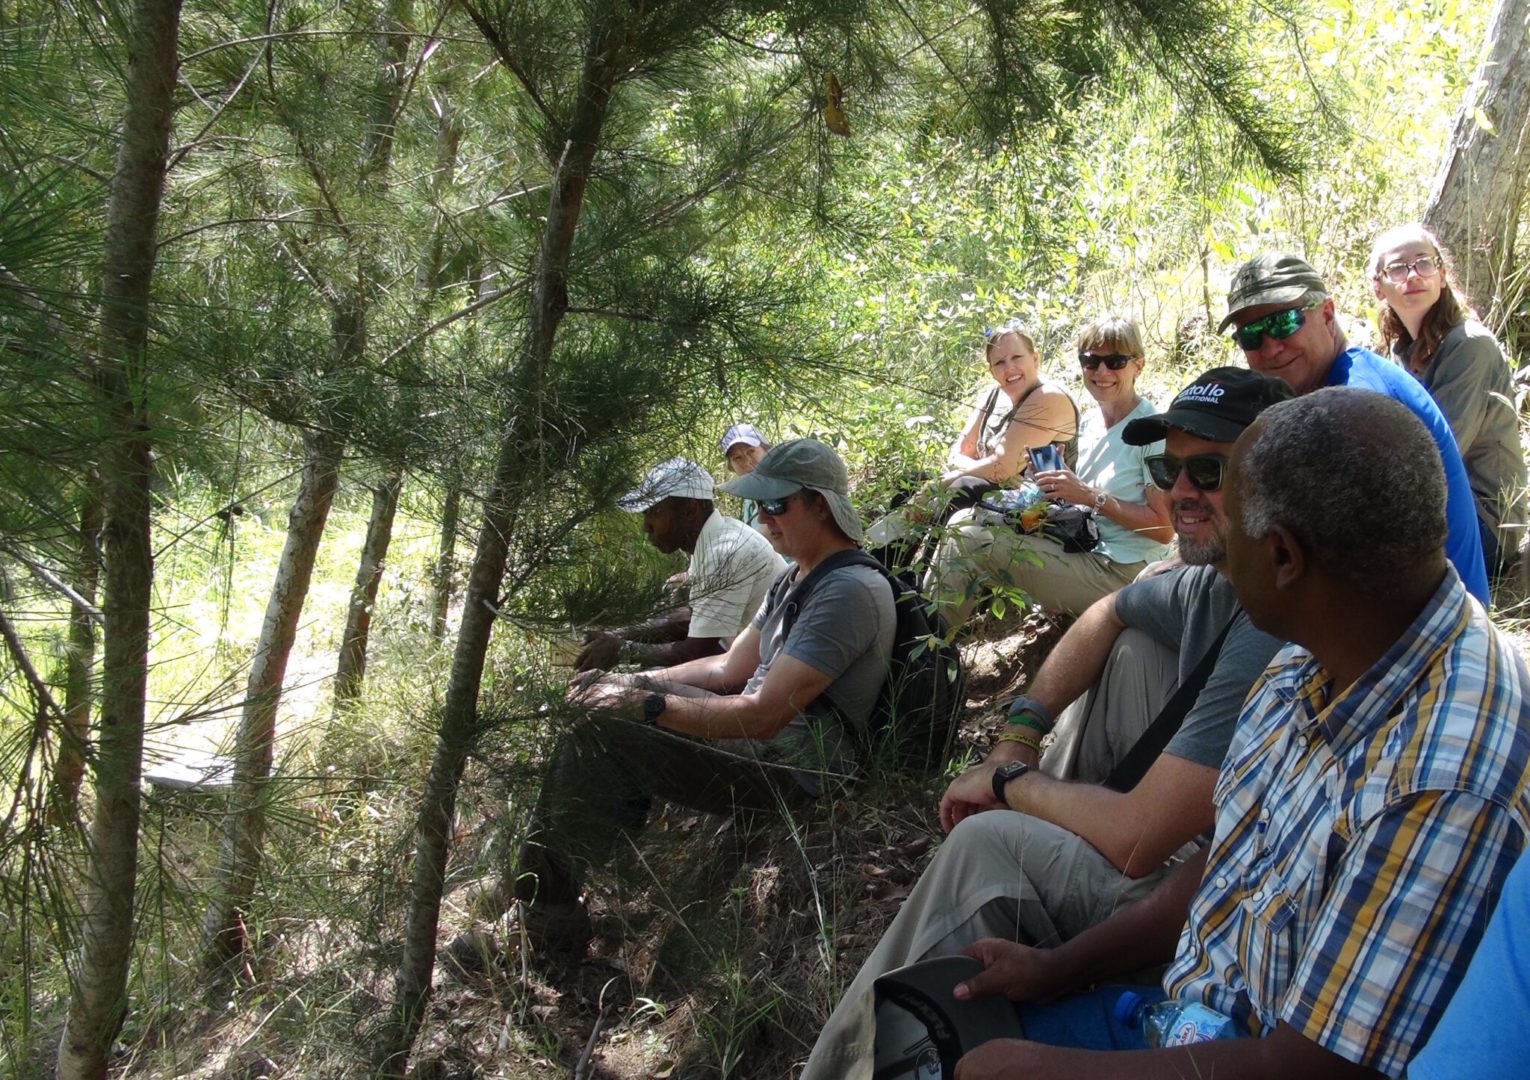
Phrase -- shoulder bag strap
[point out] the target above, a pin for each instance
(1134, 765)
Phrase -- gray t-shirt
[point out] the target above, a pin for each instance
(845, 630)
(1185, 609)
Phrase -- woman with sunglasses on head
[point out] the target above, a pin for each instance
(1432, 333)
(1022, 411)
(1110, 478)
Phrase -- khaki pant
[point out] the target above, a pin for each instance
(1010, 875)
(976, 555)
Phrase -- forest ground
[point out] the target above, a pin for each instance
(716, 954)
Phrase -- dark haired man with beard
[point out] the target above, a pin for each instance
(1082, 837)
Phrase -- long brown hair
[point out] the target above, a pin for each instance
(1445, 313)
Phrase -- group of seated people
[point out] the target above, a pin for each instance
(1294, 766)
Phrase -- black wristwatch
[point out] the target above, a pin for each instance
(653, 708)
(1006, 772)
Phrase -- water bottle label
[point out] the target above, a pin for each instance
(1197, 1024)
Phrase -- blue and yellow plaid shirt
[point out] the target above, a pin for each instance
(1361, 842)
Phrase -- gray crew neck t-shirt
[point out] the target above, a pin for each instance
(1185, 609)
(845, 630)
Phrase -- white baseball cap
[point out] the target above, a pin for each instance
(676, 478)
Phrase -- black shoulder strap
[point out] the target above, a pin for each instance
(804, 588)
(1134, 765)
(993, 399)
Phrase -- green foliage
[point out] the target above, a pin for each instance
(735, 261)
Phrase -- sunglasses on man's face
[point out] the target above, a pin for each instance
(1204, 471)
(1092, 361)
(1279, 325)
(775, 507)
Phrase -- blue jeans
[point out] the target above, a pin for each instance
(1087, 1021)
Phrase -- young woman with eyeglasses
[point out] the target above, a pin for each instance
(1110, 478)
(1429, 330)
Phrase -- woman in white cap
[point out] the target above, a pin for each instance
(743, 446)
(1430, 331)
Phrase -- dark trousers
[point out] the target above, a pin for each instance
(600, 784)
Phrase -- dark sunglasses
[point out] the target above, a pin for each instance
(1092, 361)
(1279, 325)
(1205, 471)
(775, 507)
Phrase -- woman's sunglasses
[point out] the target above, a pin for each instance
(1205, 471)
(1092, 361)
(1279, 325)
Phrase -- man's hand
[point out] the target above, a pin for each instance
(1017, 971)
(601, 648)
(999, 1059)
(969, 793)
(617, 695)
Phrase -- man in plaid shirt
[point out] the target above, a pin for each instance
(1372, 802)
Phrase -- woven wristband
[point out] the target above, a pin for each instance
(1021, 737)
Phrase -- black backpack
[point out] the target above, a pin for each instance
(917, 711)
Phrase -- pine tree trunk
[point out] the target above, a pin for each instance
(518, 454)
(1479, 186)
(446, 561)
(98, 982)
(358, 618)
(223, 933)
(81, 655)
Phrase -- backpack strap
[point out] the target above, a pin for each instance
(1134, 765)
(804, 588)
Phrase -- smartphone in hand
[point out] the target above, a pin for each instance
(1044, 458)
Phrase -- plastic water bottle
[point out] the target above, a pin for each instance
(1173, 1022)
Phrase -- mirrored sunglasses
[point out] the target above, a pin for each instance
(1279, 325)
(1092, 361)
(1425, 266)
(1204, 471)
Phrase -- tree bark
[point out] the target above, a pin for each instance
(352, 667)
(98, 978)
(74, 739)
(1479, 186)
(223, 933)
(446, 561)
(519, 454)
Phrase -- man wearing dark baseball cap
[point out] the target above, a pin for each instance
(1126, 784)
(1283, 319)
(772, 721)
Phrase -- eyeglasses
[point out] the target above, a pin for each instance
(1204, 471)
(1092, 361)
(775, 507)
(1279, 325)
(1425, 266)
